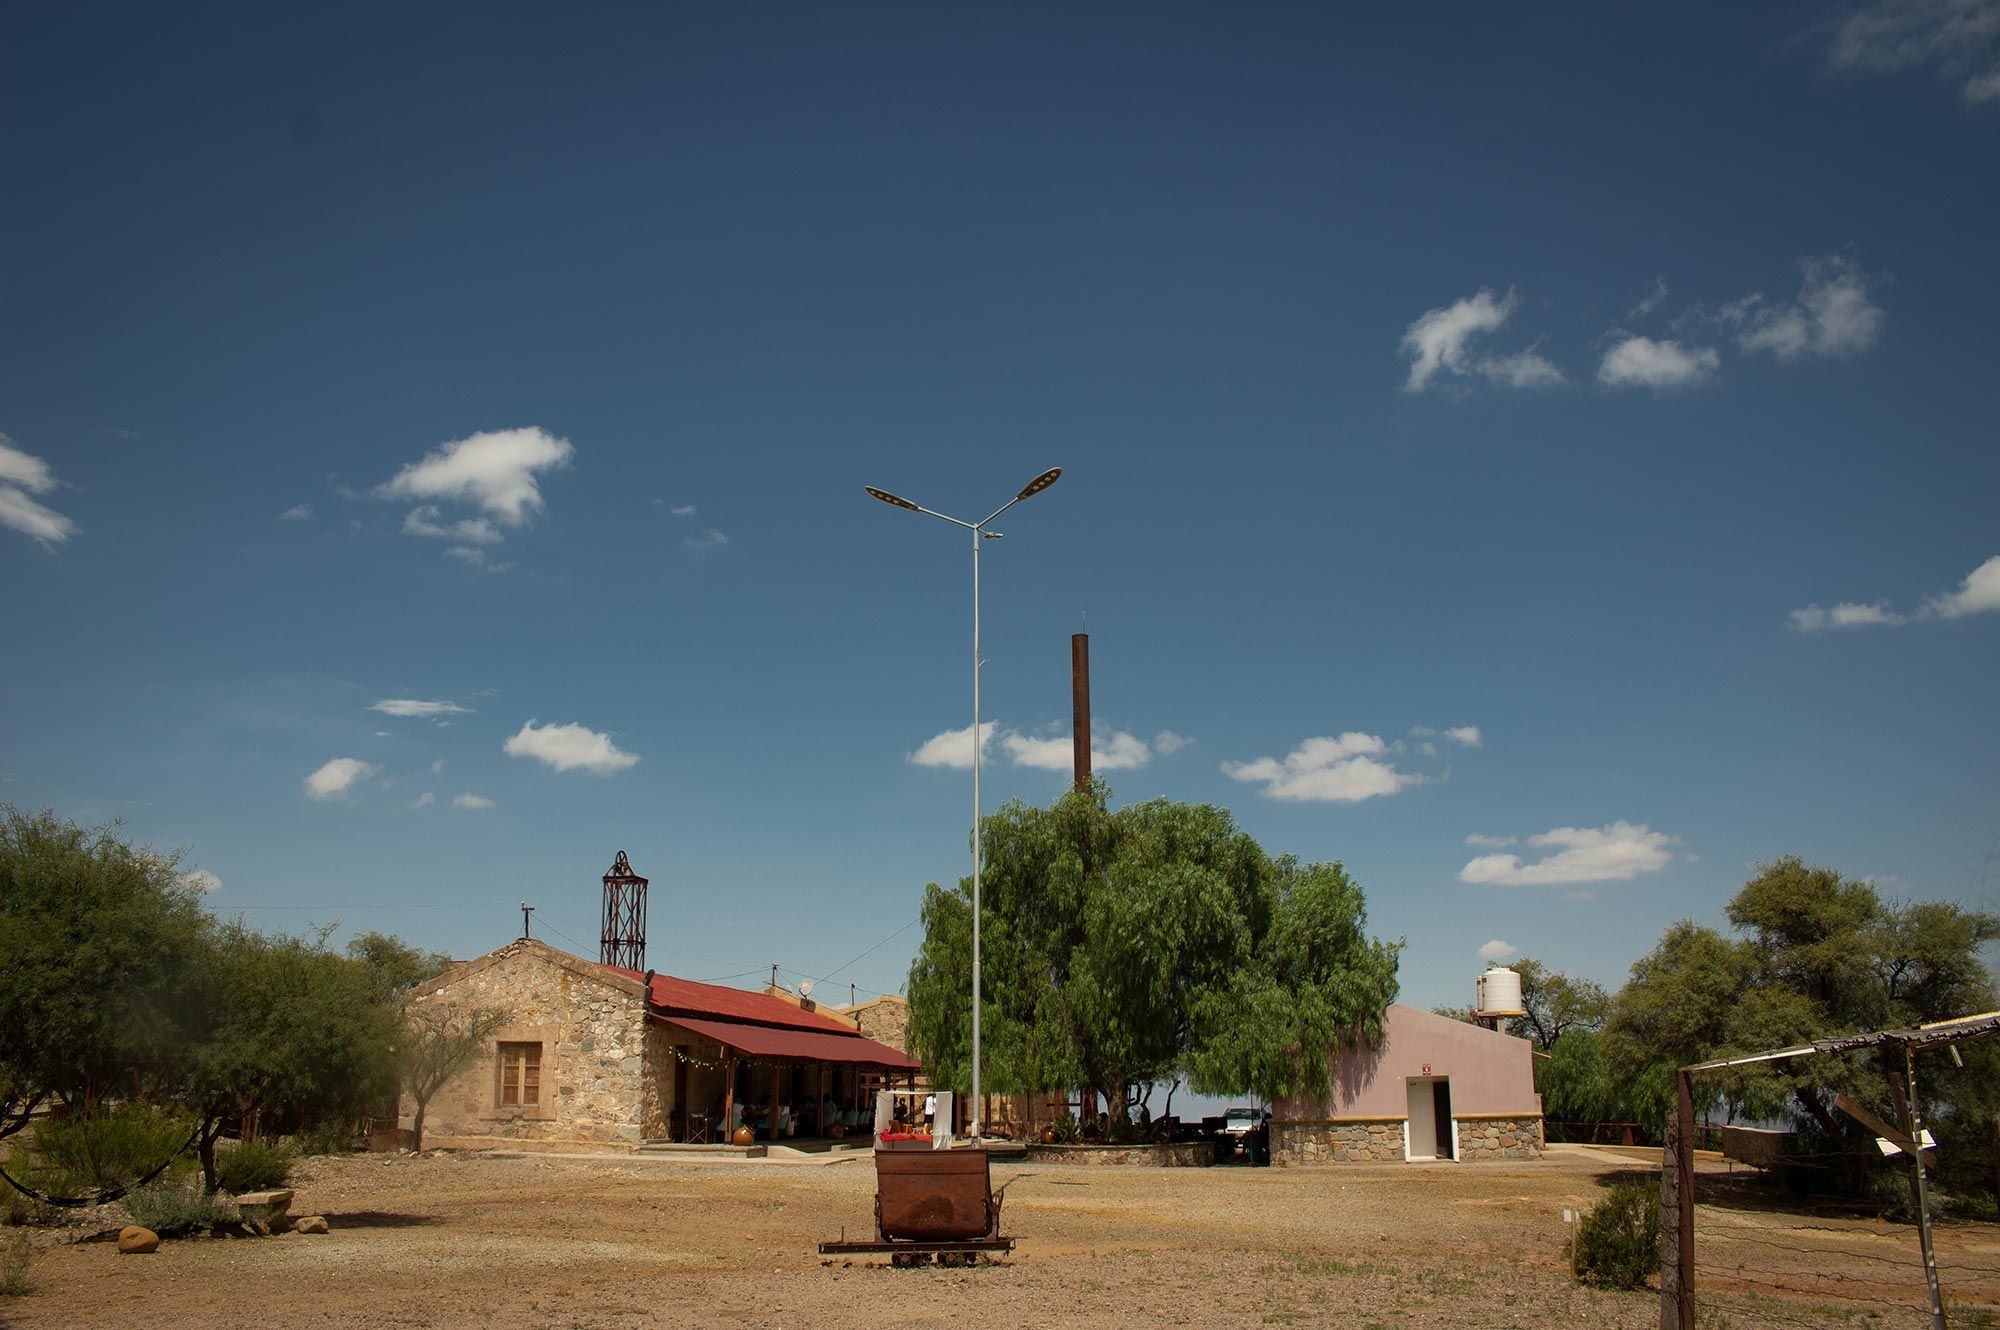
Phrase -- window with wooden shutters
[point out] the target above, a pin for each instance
(520, 1075)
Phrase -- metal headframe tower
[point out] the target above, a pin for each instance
(624, 937)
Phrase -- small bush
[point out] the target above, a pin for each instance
(111, 1147)
(171, 1207)
(254, 1166)
(1618, 1241)
(14, 1266)
(327, 1138)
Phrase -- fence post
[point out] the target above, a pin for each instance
(1913, 1127)
(1677, 1212)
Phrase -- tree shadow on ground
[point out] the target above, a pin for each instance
(377, 1219)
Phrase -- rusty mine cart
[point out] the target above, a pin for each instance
(932, 1198)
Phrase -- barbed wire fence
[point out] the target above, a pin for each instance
(1759, 1252)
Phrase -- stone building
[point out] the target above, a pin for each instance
(592, 1057)
(1434, 1088)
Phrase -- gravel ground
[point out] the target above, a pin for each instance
(582, 1243)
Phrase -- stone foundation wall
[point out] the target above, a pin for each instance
(1309, 1142)
(1499, 1138)
(1174, 1154)
(1381, 1142)
(599, 1086)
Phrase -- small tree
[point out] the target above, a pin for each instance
(439, 1043)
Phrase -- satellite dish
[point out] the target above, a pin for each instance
(805, 988)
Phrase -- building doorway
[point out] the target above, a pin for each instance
(1429, 1132)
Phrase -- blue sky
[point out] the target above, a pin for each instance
(1614, 382)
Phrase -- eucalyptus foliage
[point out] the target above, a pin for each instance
(1129, 947)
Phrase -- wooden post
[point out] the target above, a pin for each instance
(1913, 1127)
(728, 1098)
(819, 1104)
(774, 1101)
(1677, 1212)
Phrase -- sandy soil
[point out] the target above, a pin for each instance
(582, 1243)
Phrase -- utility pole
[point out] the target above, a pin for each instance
(526, 910)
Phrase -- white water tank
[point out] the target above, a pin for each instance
(1499, 993)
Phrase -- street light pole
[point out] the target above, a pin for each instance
(979, 533)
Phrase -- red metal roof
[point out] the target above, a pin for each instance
(684, 996)
(766, 1041)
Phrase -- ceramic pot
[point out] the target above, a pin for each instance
(744, 1136)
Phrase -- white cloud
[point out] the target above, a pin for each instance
(1979, 593)
(1582, 854)
(410, 706)
(1467, 735)
(1166, 741)
(1497, 950)
(1813, 619)
(495, 471)
(1959, 38)
(953, 748)
(708, 540)
(437, 766)
(682, 510)
(22, 474)
(426, 521)
(473, 557)
(1833, 316)
(298, 512)
(1652, 300)
(1440, 340)
(1110, 750)
(470, 802)
(566, 747)
(425, 800)
(333, 780)
(202, 881)
(1343, 770)
(1488, 842)
(1642, 362)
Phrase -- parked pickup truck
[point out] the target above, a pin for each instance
(1244, 1137)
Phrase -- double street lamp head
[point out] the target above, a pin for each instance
(1028, 491)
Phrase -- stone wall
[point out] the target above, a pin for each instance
(886, 1020)
(1323, 1142)
(1175, 1154)
(601, 1076)
(1381, 1141)
(1499, 1138)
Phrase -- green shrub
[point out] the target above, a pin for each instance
(333, 1137)
(111, 1147)
(254, 1166)
(170, 1207)
(14, 1266)
(1618, 1240)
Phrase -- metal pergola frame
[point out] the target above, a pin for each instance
(1677, 1168)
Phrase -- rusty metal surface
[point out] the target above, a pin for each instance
(623, 941)
(1079, 689)
(934, 1195)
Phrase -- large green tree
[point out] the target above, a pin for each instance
(295, 1029)
(99, 941)
(1126, 947)
(1815, 956)
(1556, 1002)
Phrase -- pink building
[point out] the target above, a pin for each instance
(1434, 1088)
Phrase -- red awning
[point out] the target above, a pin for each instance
(763, 1041)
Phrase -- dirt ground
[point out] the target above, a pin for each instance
(582, 1243)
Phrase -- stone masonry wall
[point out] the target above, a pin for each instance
(599, 1086)
(1381, 1142)
(1499, 1138)
(1309, 1142)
